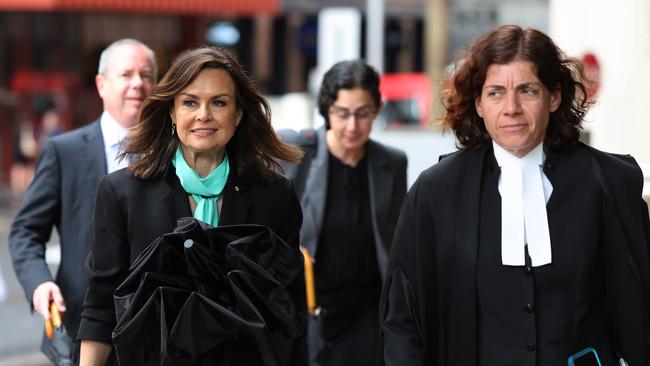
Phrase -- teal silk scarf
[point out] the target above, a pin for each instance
(205, 191)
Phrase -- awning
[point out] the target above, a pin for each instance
(180, 7)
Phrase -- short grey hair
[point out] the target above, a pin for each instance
(106, 54)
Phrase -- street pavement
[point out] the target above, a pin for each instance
(21, 331)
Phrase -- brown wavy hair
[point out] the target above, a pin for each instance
(501, 46)
(254, 147)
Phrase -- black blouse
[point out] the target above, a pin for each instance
(346, 270)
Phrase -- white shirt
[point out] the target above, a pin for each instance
(113, 133)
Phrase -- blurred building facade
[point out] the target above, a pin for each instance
(49, 50)
(615, 36)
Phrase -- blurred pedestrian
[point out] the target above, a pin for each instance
(351, 190)
(526, 247)
(25, 150)
(66, 177)
(50, 126)
(203, 147)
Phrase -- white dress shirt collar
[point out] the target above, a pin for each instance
(113, 133)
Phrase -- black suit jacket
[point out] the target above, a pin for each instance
(62, 195)
(130, 213)
(428, 307)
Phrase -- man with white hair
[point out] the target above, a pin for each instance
(66, 177)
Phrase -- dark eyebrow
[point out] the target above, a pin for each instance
(494, 87)
(358, 109)
(522, 85)
(529, 84)
(215, 96)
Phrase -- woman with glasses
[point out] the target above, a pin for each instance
(351, 189)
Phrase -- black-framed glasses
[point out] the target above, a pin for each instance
(361, 115)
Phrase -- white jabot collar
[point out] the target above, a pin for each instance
(523, 207)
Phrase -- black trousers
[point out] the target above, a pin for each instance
(355, 345)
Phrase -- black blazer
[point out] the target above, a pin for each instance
(428, 306)
(62, 195)
(386, 186)
(130, 213)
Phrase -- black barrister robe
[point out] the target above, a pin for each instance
(428, 307)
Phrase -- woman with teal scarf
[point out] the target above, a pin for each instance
(203, 147)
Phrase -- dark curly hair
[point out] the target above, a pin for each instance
(347, 75)
(254, 148)
(502, 46)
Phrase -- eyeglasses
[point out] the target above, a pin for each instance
(362, 115)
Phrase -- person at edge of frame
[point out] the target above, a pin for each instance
(67, 174)
(526, 247)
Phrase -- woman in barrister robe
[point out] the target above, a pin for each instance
(527, 246)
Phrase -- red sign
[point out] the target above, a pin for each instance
(592, 72)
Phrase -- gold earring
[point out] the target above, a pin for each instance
(173, 128)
